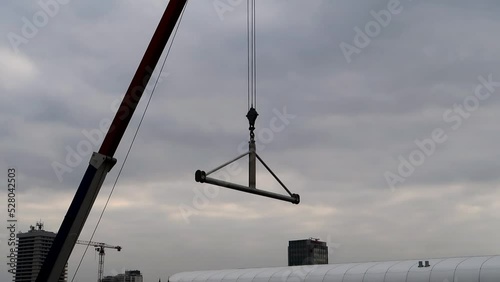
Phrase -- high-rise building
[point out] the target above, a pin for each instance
(32, 248)
(307, 252)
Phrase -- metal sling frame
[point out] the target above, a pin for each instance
(202, 176)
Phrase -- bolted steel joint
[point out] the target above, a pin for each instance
(200, 176)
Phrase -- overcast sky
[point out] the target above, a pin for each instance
(383, 116)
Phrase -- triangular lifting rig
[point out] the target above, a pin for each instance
(202, 176)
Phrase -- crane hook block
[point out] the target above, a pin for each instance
(252, 117)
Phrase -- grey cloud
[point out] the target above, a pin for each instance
(353, 121)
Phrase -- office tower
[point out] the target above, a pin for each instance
(32, 248)
(307, 251)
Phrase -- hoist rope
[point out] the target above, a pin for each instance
(249, 80)
(252, 57)
(132, 143)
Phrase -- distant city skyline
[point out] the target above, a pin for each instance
(128, 276)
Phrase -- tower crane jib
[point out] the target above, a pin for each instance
(99, 247)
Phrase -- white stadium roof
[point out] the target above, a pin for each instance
(462, 269)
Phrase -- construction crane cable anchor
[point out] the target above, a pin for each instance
(202, 176)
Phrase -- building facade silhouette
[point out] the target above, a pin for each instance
(307, 252)
(32, 248)
(128, 276)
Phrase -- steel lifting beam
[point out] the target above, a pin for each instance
(102, 162)
(200, 176)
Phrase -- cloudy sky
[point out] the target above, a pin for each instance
(383, 115)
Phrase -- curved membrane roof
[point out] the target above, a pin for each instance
(462, 269)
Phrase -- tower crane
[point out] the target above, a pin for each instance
(99, 247)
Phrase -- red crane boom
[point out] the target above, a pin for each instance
(101, 163)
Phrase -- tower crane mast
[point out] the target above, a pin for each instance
(99, 247)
